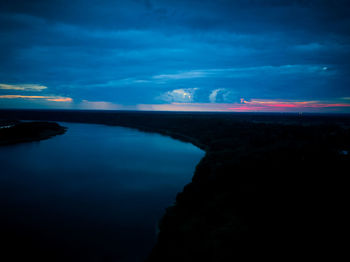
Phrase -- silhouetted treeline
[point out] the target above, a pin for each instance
(13, 132)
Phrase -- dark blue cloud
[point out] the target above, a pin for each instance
(140, 52)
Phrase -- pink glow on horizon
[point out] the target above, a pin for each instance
(60, 99)
(285, 106)
(340, 105)
(254, 105)
(245, 108)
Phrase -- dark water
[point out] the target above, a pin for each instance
(95, 193)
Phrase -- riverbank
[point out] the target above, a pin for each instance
(268, 186)
(14, 132)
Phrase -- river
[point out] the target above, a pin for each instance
(95, 193)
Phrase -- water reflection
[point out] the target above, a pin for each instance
(94, 194)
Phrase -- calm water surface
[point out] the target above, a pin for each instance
(95, 193)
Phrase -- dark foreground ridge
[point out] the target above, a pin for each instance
(13, 132)
(270, 185)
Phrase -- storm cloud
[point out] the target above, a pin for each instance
(128, 53)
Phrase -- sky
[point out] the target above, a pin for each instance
(183, 55)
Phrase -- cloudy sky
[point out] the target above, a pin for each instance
(222, 55)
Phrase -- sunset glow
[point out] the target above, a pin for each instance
(232, 56)
(48, 98)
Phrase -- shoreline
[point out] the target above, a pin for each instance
(25, 132)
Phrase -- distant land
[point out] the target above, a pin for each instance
(270, 186)
(13, 132)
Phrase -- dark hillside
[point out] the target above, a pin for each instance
(16, 132)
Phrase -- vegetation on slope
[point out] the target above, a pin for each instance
(17, 132)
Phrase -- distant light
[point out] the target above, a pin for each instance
(325, 68)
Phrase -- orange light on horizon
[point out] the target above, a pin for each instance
(47, 98)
